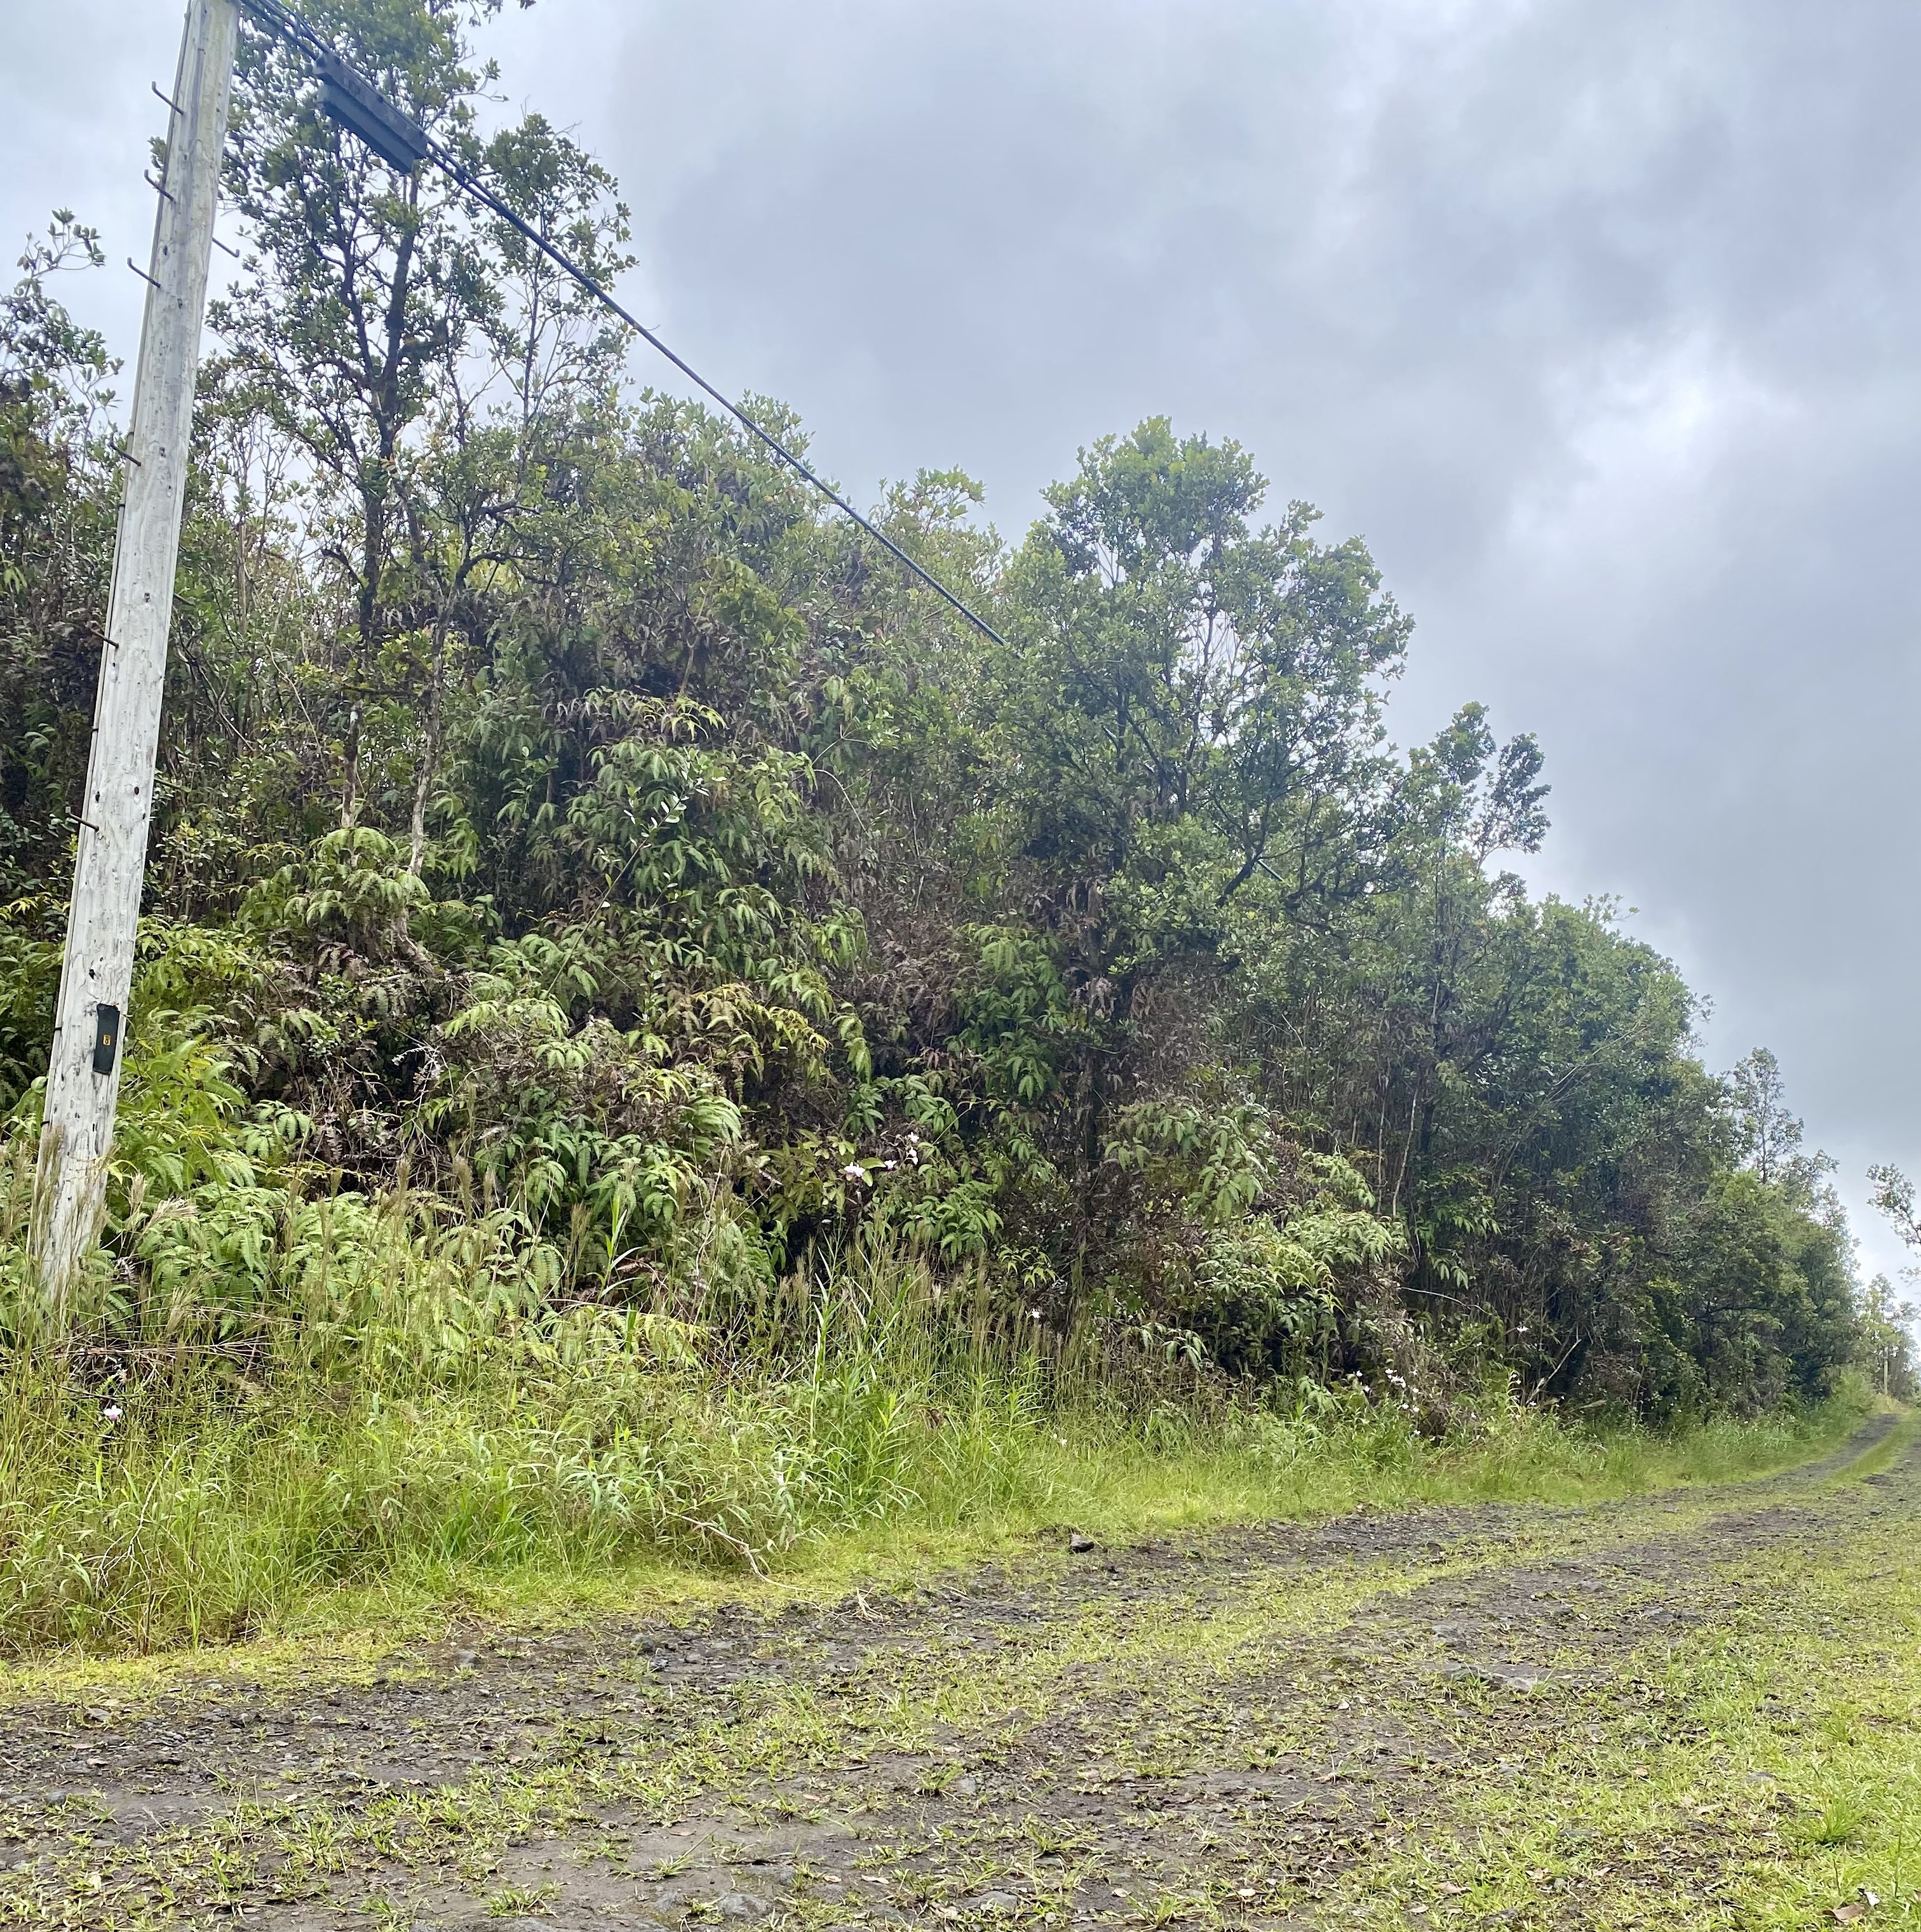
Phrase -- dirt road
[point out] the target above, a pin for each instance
(1497, 1715)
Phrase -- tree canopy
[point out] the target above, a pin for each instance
(564, 819)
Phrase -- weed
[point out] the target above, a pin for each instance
(548, 1455)
(1839, 1821)
(517, 1901)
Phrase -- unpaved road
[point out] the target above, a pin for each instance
(1272, 1727)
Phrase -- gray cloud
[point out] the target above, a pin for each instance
(1597, 320)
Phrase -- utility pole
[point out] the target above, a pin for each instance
(83, 1074)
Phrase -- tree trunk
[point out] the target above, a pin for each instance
(350, 756)
(430, 754)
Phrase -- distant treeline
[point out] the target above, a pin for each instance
(570, 828)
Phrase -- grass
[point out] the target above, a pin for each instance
(431, 1423)
(1636, 1802)
(201, 1514)
(1763, 1773)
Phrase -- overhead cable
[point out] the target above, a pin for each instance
(354, 103)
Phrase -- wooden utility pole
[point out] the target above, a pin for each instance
(83, 1074)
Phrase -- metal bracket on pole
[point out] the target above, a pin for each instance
(351, 99)
(106, 1038)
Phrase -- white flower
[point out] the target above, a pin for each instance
(853, 1171)
(1035, 1312)
(110, 1414)
(891, 1165)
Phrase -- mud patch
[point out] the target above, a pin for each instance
(1200, 1731)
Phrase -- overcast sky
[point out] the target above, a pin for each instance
(1600, 319)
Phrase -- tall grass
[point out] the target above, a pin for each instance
(204, 1513)
(202, 1495)
(305, 1398)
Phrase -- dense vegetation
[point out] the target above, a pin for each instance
(596, 903)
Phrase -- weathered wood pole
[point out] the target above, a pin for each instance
(83, 1074)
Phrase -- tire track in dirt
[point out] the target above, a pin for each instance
(1203, 1730)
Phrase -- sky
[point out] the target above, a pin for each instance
(1599, 320)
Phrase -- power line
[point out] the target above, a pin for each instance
(352, 100)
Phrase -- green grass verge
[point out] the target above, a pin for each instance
(1762, 1773)
(1757, 1769)
(201, 1516)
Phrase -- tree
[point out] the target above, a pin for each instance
(1192, 717)
(1767, 1135)
(1894, 1196)
(1888, 1333)
(360, 299)
(57, 469)
(565, 827)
